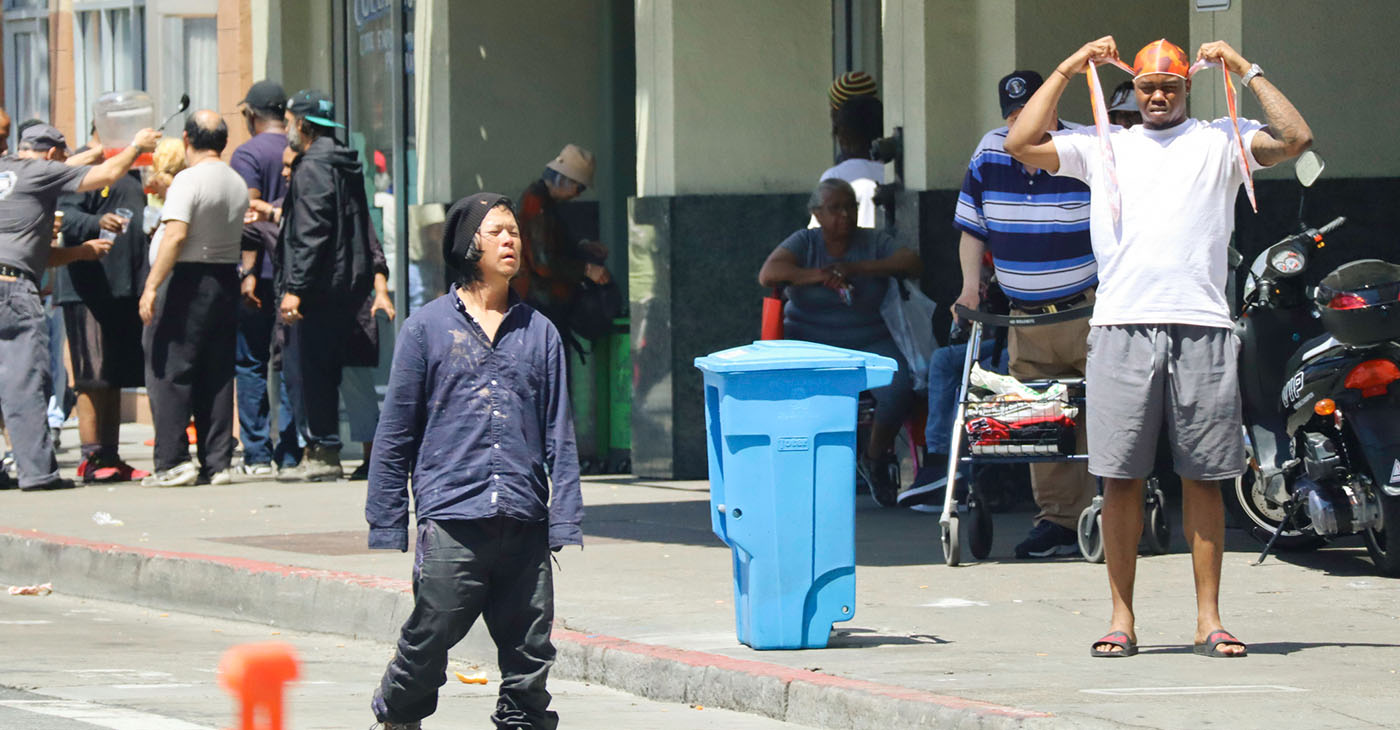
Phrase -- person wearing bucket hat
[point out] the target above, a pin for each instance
(1123, 108)
(479, 384)
(1162, 352)
(324, 272)
(562, 275)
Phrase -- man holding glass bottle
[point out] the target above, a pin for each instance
(99, 299)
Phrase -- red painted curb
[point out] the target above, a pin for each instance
(666, 653)
(244, 564)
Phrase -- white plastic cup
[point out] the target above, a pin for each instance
(125, 214)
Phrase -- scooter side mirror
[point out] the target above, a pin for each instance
(1308, 168)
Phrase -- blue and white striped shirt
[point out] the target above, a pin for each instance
(1035, 226)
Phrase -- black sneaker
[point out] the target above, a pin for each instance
(928, 484)
(882, 475)
(50, 486)
(1047, 540)
(361, 472)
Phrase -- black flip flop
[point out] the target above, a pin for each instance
(1119, 639)
(1209, 647)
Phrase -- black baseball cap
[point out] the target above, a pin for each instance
(314, 106)
(43, 137)
(1016, 88)
(266, 94)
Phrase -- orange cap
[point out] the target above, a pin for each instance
(1161, 57)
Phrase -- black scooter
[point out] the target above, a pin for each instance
(1318, 378)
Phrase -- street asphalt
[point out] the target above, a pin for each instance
(80, 664)
(648, 607)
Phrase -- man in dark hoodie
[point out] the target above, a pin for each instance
(324, 272)
(477, 418)
(100, 318)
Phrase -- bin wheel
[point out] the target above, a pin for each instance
(1091, 531)
(980, 539)
(952, 550)
(1157, 531)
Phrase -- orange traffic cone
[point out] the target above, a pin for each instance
(256, 675)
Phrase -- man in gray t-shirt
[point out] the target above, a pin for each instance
(30, 185)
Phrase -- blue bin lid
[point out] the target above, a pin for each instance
(766, 355)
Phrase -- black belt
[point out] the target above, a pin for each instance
(18, 274)
(1053, 307)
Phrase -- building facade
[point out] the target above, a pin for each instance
(709, 119)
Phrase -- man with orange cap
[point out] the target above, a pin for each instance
(1161, 351)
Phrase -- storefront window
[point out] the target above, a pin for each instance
(372, 113)
(26, 59)
(191, 51)
(108, 54)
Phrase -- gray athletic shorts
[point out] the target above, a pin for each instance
(1141, 378)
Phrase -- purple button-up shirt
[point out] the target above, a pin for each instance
(480, 427)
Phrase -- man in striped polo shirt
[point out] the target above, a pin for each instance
(1036, 226)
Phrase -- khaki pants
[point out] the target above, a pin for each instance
(1061, 490)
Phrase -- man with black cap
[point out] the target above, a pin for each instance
(477, 417)
(30, 185)
(324, 273)
(1036, 227)
(259, 162)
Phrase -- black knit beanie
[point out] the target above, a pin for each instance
(463, 219)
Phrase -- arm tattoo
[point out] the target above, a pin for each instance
(1286, 126)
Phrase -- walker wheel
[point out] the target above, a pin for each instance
(952, 552)
(1091, 532)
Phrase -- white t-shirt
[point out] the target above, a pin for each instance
(1166, 262)
(211, 198)
(863, 175)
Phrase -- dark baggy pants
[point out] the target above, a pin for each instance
(26, 381)
(312, 363)
(190, 349)
(254, 354)
(497, 568)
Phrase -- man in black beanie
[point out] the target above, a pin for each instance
(477, 417)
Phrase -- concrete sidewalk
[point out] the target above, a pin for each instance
(647, 607)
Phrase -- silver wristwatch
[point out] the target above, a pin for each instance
(1249, 75)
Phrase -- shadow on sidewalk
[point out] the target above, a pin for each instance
(859, 638)
(884, 537)
(1279, 648)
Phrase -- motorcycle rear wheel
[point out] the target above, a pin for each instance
(1262, 517)
(1384, 544)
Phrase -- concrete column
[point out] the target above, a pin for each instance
(432, 96)
(267, 39)
(1207, 90)
(731, 95)
(942, 60)
(1324, 57)
(733, 128)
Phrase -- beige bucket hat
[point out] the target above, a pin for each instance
(574, 162)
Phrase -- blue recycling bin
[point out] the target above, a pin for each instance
(781, 420)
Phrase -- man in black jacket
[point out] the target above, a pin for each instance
(324, 273)
(99, 312)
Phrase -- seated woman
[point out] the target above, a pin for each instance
(836, 277)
